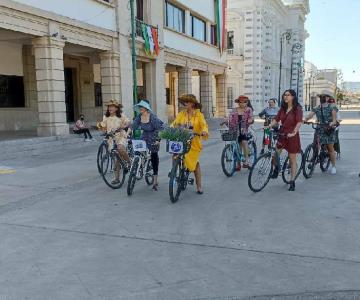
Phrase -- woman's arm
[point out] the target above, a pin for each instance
(136, 123)
(262, 113)
(203, 125)
(309, 116)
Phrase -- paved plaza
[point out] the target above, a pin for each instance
(66, 235)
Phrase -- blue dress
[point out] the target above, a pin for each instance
(150, 131)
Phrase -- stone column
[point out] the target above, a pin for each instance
(110, 77)
(49, 65)
(30, 88)
(221, 96)
(206, 95)
(185, 81)
(155, 86)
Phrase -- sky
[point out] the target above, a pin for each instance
(334, 41)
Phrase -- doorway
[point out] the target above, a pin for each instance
(69, 76)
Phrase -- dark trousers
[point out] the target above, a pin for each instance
(85, 131)
(155, 162)
(337, 142)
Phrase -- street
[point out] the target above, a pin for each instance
(66, 235)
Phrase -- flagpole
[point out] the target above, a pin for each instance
(133, 52)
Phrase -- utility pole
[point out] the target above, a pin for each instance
(133, 51)
(287, 36)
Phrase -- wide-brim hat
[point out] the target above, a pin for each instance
(114, 103)
(241, 98)
(190, 98)
(144, 104)
(325, 95)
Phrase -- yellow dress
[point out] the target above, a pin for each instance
(198, 122)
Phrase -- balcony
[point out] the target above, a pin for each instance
(235, 53)
(139, 24)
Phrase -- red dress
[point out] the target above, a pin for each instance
(288, 123)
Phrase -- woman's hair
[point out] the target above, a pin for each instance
(296, 103)
(118, 112)
(249, 104)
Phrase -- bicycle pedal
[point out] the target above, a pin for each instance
(191, 181)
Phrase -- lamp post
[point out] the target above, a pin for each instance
(295, 49)
(300, 70)
(133, 50)
(286, 35)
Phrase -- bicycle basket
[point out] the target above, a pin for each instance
(228, 135)
(175, 147)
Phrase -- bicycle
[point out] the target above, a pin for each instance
(263, 168)
(232, 153)
(179, 174)
(315, 153)
(113, 168)
(141, 166)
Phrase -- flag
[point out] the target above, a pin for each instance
(220, 11)
(146, 39)
(151, 40)
(156, 40)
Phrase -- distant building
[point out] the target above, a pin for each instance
(255, 31)
(351, 86)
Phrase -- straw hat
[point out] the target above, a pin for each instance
(114, 103)
(242, 98)
(190, 98)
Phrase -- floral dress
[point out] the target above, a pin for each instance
(325, 117)
(113, 123)
(150, 131)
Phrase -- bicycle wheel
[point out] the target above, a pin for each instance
(132, 176)
(286, 169)
(149, 174)
(324, 160)
(309, 164)
(112, 170)
(100, 154)
(252, 153)
(228, 160)
(175, 181)
(259, 174)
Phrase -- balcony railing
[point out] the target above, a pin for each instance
(139, 24)
(234, 52)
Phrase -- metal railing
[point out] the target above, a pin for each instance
(139, 24)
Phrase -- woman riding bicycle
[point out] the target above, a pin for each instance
(116, 121)
(268, 114)
(337, 148)
(327, 117)
(150, 125)
(192, 118)
(290, 116)
(241, 118)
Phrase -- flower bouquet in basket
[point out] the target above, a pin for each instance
(177, 139)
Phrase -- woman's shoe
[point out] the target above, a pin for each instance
(155, 187)
(116, 181)
(238, 167)
(292, 186)
(275, 173)
(200, 192)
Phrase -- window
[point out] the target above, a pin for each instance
(230, 97)
(214, 35)
(198, 28)
(230, 40)
(175, 17)
(12, 91)
(98, 95)
(140, 10)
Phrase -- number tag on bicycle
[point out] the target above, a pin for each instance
(176, 147)
(139, 145)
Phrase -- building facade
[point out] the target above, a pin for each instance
(318, 81)
(58, 61)
(266, 44)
